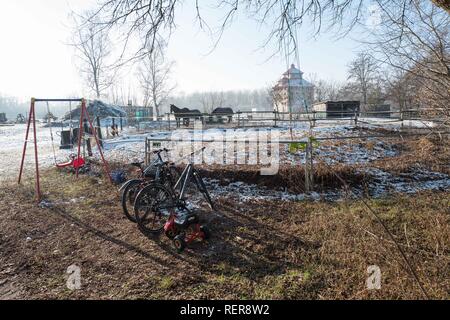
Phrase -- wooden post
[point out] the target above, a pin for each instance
(99, 131)
(146, 152)
(239, 119)
(307, 176)
(401, 117)
(88, 141)
(311, 171)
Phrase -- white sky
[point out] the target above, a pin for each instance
(35, 61)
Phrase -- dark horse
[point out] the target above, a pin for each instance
(184, 114)
(224, 112)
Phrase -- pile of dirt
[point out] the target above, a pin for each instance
(288, 178)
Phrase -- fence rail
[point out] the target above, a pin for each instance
(307, 142)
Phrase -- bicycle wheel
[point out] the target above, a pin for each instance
(129, 195)
(152, 208)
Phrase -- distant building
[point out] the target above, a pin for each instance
(337, 109)
(3, 118)
(381, 110)
(138, 114)
(293, 93)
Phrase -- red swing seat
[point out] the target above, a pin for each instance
(75, 162)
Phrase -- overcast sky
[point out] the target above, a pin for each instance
(35, 60)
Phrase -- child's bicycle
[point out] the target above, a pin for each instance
(183, 228)
(161, 209)
(159, 171)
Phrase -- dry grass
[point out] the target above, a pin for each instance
(430, 153)
(260, 249)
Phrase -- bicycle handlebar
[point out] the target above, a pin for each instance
(161, 151)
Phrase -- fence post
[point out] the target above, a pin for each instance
(356, 119)
(147, 163)
(307, 176)
(239, 119)
(401, 118)
(87, 140)
(311, 172)
(99, 132)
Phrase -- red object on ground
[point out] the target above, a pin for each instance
(76, 163)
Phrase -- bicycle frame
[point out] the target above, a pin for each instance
(186, 177)
(184, 180)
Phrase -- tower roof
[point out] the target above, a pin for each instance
(293, 78)
(292, 71)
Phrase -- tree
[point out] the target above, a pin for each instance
(148, 19)
(364, 71)
(402, 89)
(211, 101)
(418, 49)
(93, 50)
(325, 90)
(154, 77)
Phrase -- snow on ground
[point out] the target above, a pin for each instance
(11, 148)
(131, 147)
(384, 184)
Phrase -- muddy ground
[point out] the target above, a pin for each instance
(259, 249)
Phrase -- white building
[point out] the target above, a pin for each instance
(293, 93)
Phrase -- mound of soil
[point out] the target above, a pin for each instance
(288, 178)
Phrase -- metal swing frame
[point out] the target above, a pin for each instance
(32, 121)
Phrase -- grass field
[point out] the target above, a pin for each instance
(259, 249)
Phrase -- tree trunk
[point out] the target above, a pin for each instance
(444, 4)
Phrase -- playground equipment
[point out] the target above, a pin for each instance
(77, 161)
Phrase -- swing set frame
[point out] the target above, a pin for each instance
(32, 121)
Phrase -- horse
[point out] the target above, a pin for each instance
(224, 112)
(185, 114)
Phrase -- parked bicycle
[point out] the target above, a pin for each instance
(158, 208)
(159, 171)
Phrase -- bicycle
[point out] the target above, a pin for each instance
(156, 203)
(159, 171)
